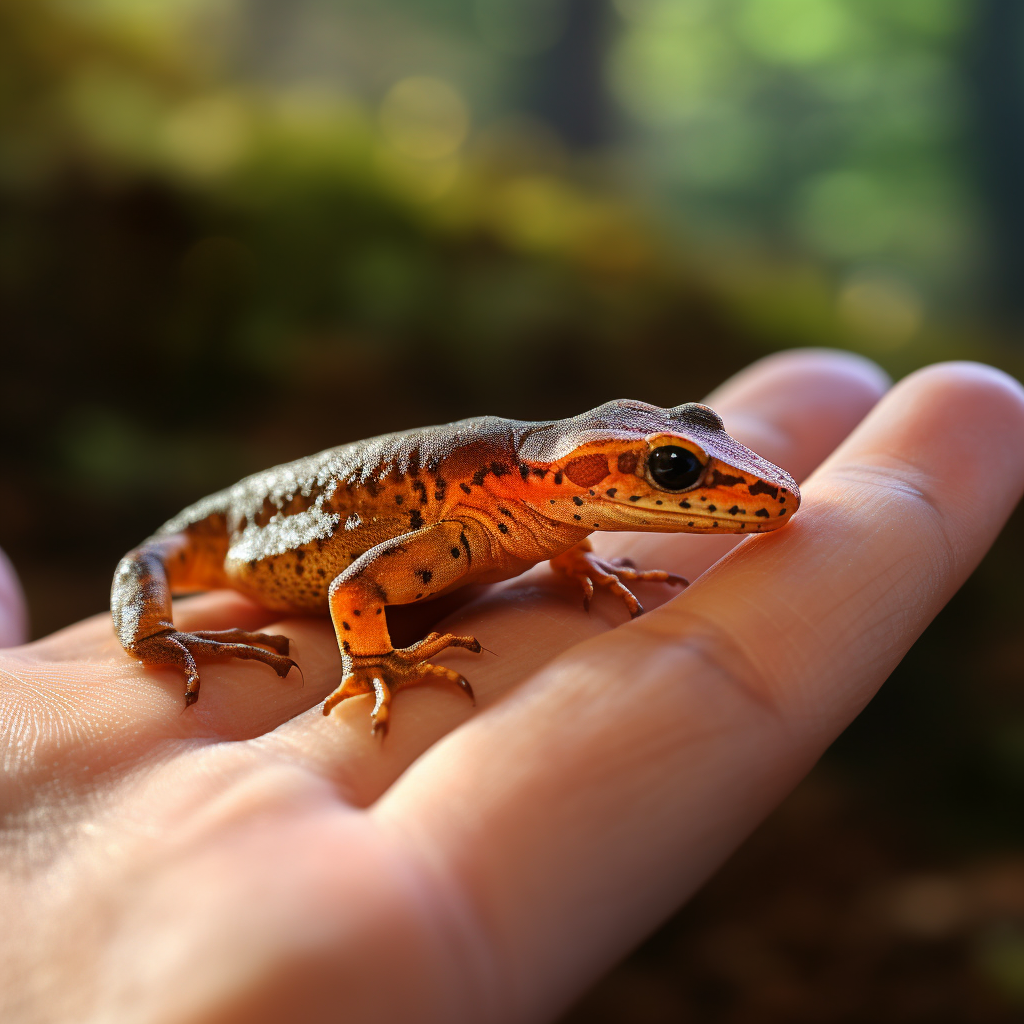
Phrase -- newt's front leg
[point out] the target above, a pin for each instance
(581, 564)
(406, 569)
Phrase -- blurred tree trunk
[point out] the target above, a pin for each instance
(996, 74)
(570, 93)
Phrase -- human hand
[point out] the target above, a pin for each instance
(248, 859)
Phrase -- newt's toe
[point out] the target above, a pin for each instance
(180, 650)
(385, 674)
(589, 571)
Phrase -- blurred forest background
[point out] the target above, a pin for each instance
(233, 233)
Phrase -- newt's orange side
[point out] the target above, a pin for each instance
(405, 517)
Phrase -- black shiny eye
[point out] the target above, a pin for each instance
(674, 468)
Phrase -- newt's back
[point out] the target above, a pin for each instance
(289, 530)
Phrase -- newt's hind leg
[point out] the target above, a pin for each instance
(179, 650)
(140, 601)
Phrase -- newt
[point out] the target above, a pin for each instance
(408, 516)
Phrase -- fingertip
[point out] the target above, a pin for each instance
(974, 412)
(971, 384)
(794, 407)
(852, 373)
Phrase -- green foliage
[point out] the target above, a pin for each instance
(832, 126)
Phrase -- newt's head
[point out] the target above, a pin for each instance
(631, 466)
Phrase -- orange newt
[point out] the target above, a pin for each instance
(408, 516)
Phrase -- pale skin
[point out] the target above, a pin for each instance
(249, 859)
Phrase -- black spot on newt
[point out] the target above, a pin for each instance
(415, 519)
(399, 499)
(763, 512)
(502, 528)
(634, 497)
(426, 575)
(763, 488)
(465, 487)
(577, 500)
(611, 492)
(577, 518)
(455, 552)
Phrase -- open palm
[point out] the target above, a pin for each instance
(249, 859)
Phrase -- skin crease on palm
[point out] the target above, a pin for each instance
(251, 860)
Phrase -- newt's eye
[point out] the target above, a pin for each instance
(673, 468)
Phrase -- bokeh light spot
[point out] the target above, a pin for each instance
(209, 136)
(424, 118)
(668, 74)
(880, 310)
(795, 31)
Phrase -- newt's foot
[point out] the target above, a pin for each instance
(581, 564)
(179, 650)
(385, 674)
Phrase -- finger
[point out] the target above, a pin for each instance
(529, 622)
(13, 611)
(579, 811)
